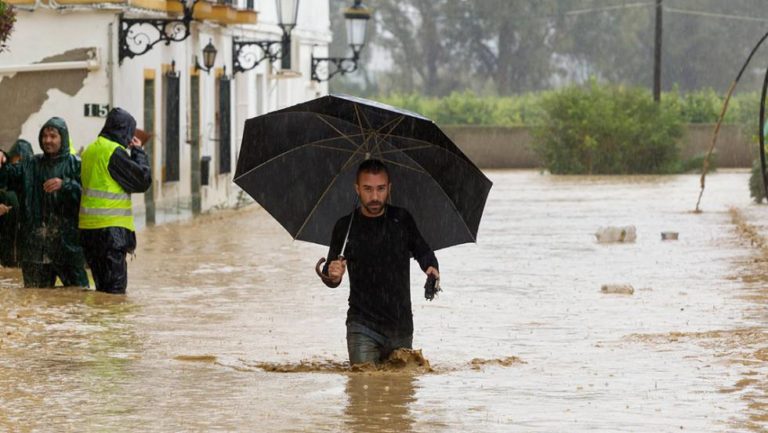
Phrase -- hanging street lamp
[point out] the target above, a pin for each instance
(356, 18)
(287, 14)
(245, 59)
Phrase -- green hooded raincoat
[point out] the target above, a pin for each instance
(48, 220)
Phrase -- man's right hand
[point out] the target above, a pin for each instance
(4, 209)
(336, 270)
(135, 142)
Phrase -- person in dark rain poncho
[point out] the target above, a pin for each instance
(382, 238)
(110, 175)
(11, 237)
(48, 187)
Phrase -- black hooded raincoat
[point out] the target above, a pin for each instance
(106, 247)
(10, 223)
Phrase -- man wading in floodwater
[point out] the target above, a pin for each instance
(380, 242)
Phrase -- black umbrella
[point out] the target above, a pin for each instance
(300, 164)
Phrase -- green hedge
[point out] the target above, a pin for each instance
(468, 108)
(594, 128)
(600, 129)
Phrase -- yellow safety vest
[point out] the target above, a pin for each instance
(104, 202)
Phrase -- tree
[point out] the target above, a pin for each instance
(705, 48)
(509, 42)
(411, 31)
(435, 47)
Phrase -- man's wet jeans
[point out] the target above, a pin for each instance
(368, 346)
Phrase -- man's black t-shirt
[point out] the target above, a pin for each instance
(378, 254)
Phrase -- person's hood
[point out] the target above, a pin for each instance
(119, 127)
(21, 148)
(61, 126)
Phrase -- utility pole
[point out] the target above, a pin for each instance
(657, 55)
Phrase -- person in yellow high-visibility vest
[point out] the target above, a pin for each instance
(109, 175)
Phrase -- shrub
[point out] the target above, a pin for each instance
(467, 108)
(756, 188)
(703, 106)
(604, 129)
(744, 109)
(695, 164)
(7, 19)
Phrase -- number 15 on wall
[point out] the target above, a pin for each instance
(96, 110)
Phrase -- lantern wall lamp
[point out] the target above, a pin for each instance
(209, 58)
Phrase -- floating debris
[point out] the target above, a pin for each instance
(196, 358)
(619, 289)
(624, 234)
(509, 361)
(669, 236)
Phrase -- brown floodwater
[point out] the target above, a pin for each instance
(227, 328)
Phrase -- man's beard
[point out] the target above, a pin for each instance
(373, 203)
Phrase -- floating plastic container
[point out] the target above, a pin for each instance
(618, 289)
(624, 234)
(669, 236)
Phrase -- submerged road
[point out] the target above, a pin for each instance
(521, 340)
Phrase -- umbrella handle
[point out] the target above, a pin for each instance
(317, 268)
(326, 279)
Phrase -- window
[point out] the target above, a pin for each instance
(225, 125)
(172, 115)
(149, 146)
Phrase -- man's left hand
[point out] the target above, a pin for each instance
(53, 184)
(432, 271)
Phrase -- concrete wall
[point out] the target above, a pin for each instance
(512, 147)
(495, 146)
(734, 147)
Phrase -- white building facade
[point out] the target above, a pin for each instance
(64, 59)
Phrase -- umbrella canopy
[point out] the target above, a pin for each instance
(300, 164)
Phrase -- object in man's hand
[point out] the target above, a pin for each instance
(431, 287)
(142, 135)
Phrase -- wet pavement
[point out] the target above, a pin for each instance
(227, 328)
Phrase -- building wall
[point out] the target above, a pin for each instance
(38, 96)
(79, 31)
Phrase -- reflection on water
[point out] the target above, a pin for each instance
(521, 338)
(379, 402)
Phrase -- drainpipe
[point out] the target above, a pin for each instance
(193, 126)
(111, 63)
